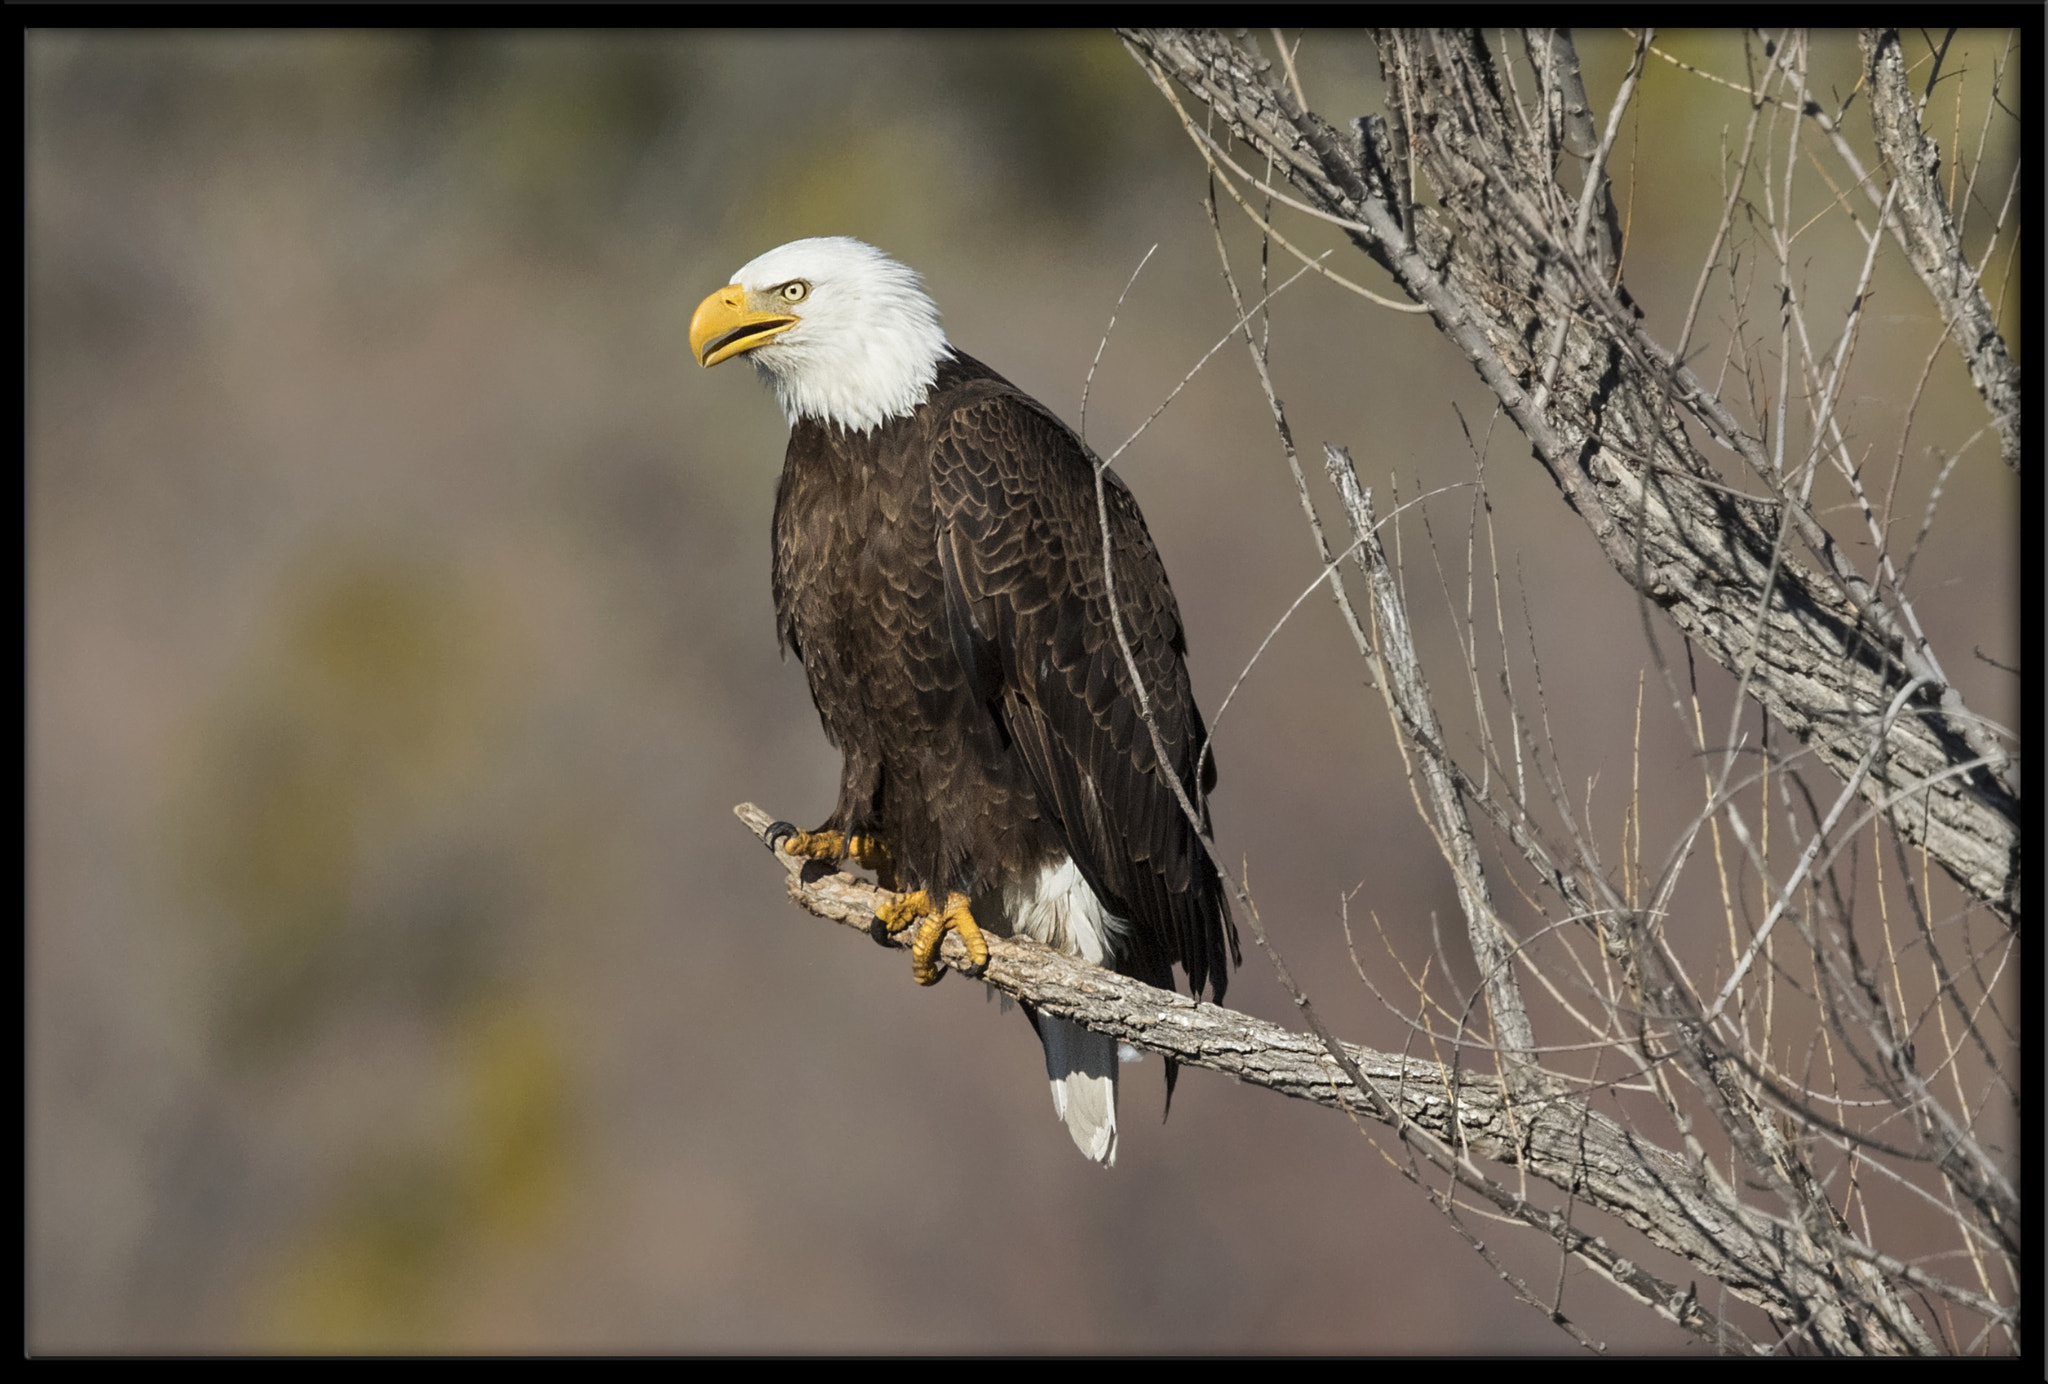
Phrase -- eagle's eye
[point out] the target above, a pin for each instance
(795, 291)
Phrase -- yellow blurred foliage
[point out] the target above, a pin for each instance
(376, 1271)
(369, 700)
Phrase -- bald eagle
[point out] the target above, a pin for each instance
(939, 572)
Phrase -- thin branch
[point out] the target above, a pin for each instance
(1103, 345)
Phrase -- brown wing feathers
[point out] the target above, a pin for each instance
(1029, 621)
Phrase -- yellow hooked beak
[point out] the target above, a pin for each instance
(722, 327)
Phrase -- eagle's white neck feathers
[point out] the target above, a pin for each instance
(868, 345)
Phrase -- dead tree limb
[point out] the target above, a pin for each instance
(1842, 1302)
(1530, 290)
(1453, 1117)
(1932, 241)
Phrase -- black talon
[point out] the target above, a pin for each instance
(778, 832)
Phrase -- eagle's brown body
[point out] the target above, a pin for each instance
(940, 576)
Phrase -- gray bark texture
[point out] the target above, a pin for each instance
(1521, 275)
(1821, 1285)
(1467, 1114)
(1931, 240)
(1451, 1117)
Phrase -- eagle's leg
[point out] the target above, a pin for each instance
(834, 846)
(934, 921)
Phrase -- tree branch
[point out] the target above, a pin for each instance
(1603, 405)
(1557, 1138)
(1406, 692)
(1934, 247)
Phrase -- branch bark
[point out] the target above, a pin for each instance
(1557, 1138)
(1530, 293)
(1933, 245)
(1398, 674)
(1847, 1306)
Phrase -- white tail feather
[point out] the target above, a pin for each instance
(1059, 909)
(1082, 1067)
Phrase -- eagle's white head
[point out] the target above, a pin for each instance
(844, 333)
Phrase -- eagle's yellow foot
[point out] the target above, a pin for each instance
(833, 847)
(807, 845)
(933, 923)
(873, 854)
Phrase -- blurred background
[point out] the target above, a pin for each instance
(399, 641)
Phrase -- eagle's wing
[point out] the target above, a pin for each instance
(1028, 613)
